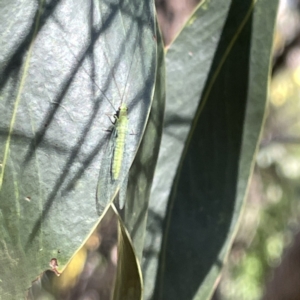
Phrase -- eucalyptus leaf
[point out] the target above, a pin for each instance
(217, 78)
(65, 70)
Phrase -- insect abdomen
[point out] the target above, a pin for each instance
(121, 130)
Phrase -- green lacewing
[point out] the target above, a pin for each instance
(119, 162)
(121, 127)
(113, 178)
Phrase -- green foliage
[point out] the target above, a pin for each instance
(70, 74)
(216, 93)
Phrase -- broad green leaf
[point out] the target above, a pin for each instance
(65, 67)
(183, 90)
(217, 78)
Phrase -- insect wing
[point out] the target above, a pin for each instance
(104, 190)
(115, 167)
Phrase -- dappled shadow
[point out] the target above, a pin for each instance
(14, 62)
(50, 153)
(73, 168)
(72, 153)
(87, 52)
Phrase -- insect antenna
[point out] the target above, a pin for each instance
(127, 79)
(113, 74)
(84, 69)
(129, 73)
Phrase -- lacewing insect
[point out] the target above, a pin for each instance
(118, 142)
(121, 127)
(116, 145)
(119, 160)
